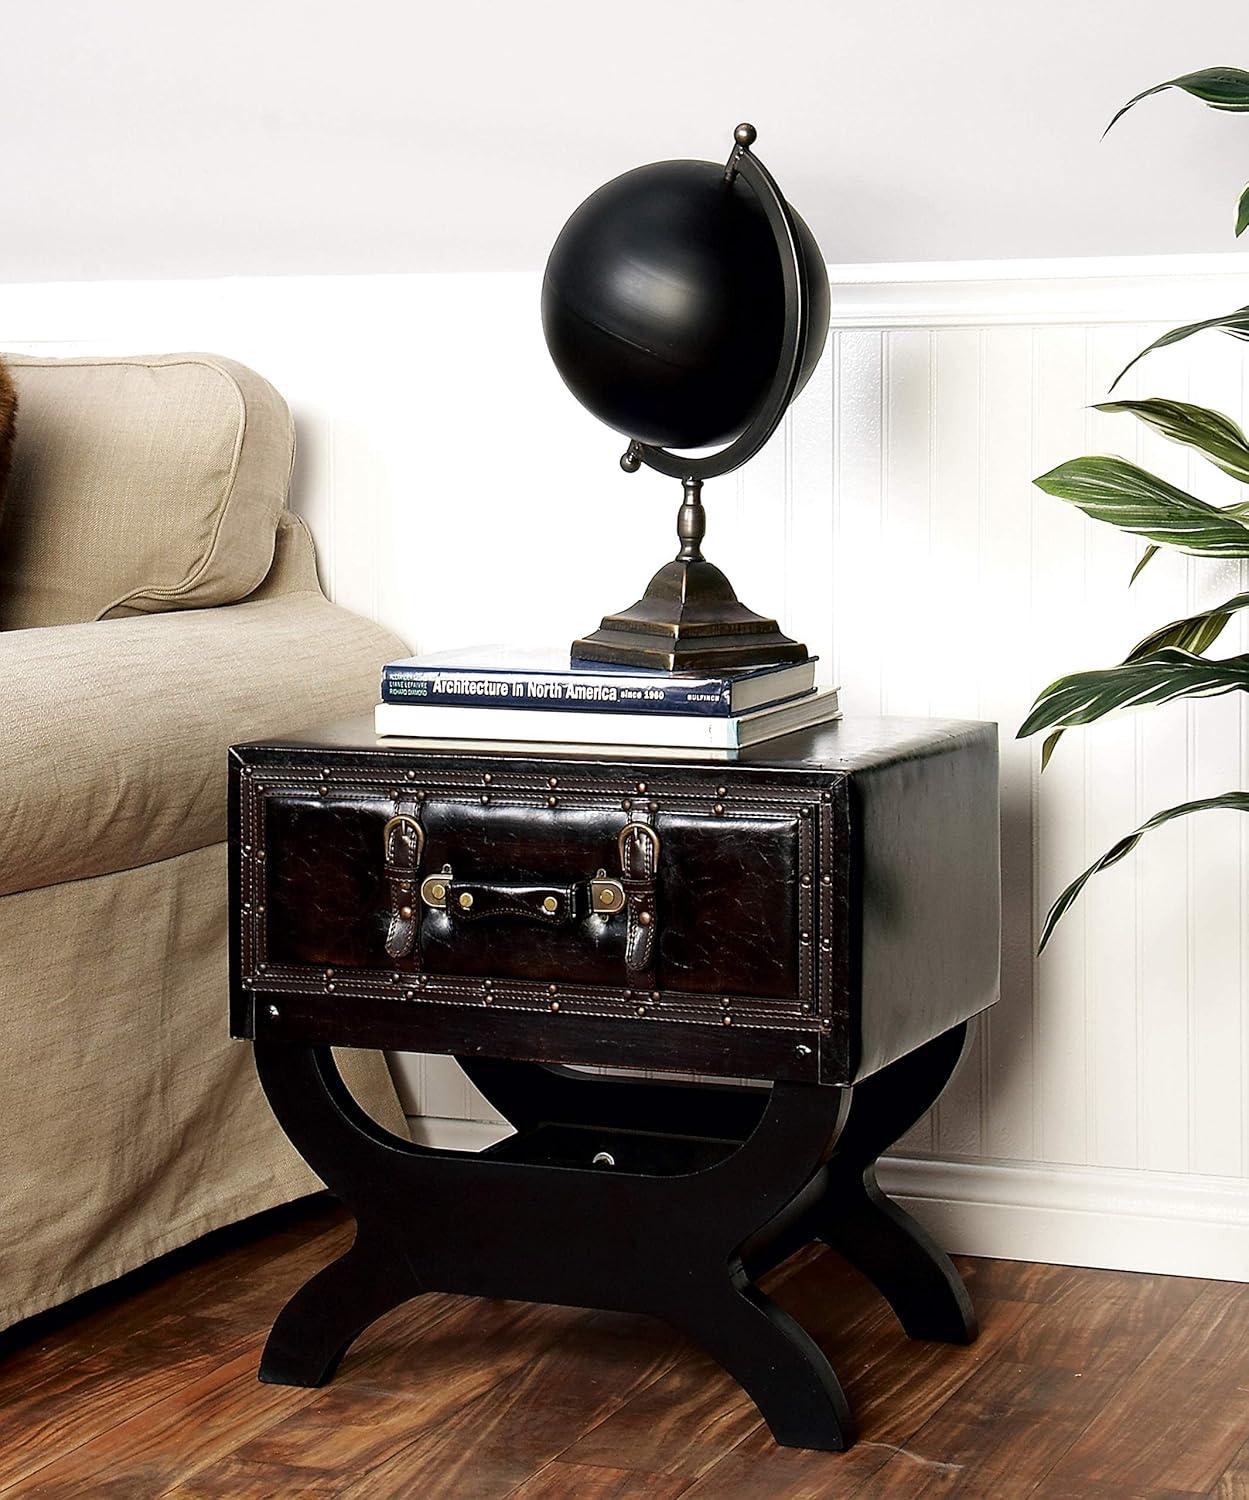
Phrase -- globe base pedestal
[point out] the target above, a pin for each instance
(689, 619)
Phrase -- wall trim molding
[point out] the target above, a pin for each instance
(1122, 1220)
(980, 294)
(1114, 1219)
(938, 294)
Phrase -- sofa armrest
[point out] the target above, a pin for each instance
(115, 732)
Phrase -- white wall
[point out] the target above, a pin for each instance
(149, 139)
(458, 493)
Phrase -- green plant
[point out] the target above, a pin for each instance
(1169, 663)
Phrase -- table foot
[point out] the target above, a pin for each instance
(328, 1313)
(775, 1361)
(855, 1218)
(901, 1260)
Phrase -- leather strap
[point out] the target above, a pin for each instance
(403, 844)
(639, 862)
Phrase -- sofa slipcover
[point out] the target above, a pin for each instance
(134, 1124)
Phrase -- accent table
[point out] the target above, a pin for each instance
(819, 914)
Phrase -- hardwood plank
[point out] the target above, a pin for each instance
(894, 1386)
(1017, 1280)
(1084, 1383)
(498, 1441)
(233, 1265)
(679, 1425)
(179, 1344)
(1233, 1483)
(138, 1457)
(389, 1396)
(895, 1383)
(98, 1392)
(683, 1422)
(253, 1479)
(1131, 1492)
(565, 1481)
(206, 1420)
(1016, 1417)
(1180, 1419)
(757, 1468)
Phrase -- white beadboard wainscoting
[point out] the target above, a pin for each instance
(459, 494)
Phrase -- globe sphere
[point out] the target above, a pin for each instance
(663, 304)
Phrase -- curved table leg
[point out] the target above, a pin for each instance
(797, 1163)
(773, 1358)
(895, 1253)
(350, 1152)
(751, 1198)
(328, 1313)
(903, 1262)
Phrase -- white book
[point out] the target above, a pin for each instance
(550, 727)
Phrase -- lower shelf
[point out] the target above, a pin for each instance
(612, 1150)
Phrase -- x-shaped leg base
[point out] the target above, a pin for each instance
(668, 1199)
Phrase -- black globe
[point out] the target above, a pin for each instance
(663, 304)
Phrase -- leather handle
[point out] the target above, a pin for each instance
(491, 900)
(634, 893)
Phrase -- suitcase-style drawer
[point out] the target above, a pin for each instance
(805, 917)
(687, 901)
(688, 898)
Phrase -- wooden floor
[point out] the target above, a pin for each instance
(1083, 1384)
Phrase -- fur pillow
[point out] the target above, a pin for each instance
(8, 424)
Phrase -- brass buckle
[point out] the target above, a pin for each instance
(434, 889)
(606, 895)
(417, 831)
(633, 828)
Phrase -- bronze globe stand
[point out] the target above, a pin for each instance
(689, 617)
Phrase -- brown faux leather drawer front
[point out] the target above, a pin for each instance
(731, 891)
(822, 905)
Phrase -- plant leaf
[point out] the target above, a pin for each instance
(1193, 633)
(1236, 801)
(1236, 323)
(1083, 697)
(1220, 88)
(1209, 432)
(1050, 745)
(1242, 212)
(1240, 510)
(1149, 552)
(1120, 493)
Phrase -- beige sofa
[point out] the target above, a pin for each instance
(157, 603)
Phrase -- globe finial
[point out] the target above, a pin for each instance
(745, 135)
(631, 458)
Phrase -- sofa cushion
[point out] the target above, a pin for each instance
(139, 485)
(116, 731)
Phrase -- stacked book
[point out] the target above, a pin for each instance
(497, 694)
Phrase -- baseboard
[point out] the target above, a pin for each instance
(1076, 1216)
(1079, 1216)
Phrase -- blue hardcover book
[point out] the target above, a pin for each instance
(502, 677)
